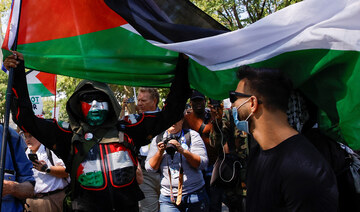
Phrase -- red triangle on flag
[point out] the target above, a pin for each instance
(48, 80)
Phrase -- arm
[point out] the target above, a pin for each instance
(139, 174)
(56, 171)
(156, 159)
(23, 187)
(155, 123)
(193, 159)
(47, 132)
(19, 190)
(197, 157)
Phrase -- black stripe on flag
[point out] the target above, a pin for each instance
(167, 21)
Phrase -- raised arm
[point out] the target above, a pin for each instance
(150, 125)
(46, 131)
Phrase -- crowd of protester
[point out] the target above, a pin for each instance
(250, 156)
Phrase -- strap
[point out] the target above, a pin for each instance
(49, 155)
(159, 137)
(180, 185)
(202, 127)
(187, 137)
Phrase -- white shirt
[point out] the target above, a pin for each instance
(46, 182)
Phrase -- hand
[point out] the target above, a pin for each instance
(177, 145)
(13, 60)
(8, 187)
(161, 147)
(216, 112)
(189, 110)
(124, 103)
(40, 165)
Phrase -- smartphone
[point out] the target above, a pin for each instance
(130, 100)
(33, 157)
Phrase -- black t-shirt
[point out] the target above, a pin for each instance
(292, 176)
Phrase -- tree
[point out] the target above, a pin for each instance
(236, 14)
(3, 86)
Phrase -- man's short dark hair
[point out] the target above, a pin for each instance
(269, 85)
(154, 94)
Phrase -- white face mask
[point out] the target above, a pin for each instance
(241, 125)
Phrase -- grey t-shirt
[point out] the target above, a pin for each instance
(193, 178)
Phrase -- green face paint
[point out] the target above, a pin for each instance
(95, 112)
(96, 117)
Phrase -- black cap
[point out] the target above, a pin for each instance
(197, 95)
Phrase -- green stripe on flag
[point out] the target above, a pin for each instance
(38, 90)
(97, 56)
(329, 78)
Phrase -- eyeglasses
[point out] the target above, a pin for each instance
(233, 95)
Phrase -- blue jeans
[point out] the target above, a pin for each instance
(196, 201)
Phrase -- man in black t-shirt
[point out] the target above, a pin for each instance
(285, 172)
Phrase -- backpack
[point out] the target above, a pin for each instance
(345, 166)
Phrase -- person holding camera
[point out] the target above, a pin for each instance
(50, 176)
(179, 155)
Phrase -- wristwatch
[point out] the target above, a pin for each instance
(48, 170)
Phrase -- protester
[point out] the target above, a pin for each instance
(50, 176)
(285, 171)
(148, 99)
(182, 183)
(232, 146)
(199, 119)
(18, 181)
(99, 148)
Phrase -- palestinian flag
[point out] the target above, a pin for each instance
(41, 83)
(315, 42)
(88, 40)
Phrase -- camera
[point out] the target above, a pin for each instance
(170, 148)
(215, 103)
(130, 100)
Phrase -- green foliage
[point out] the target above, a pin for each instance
(3, 87)
(236, 14)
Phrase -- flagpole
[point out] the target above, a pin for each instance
(7, 116)
(54, 115)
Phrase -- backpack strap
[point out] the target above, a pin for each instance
(49, 155)
(187, 137)
(201, 129)
(159, 137)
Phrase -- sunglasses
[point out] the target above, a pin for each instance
(89, 97)
(234, 96)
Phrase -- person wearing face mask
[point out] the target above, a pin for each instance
(285, 172)
(98, 149)
(228, 176)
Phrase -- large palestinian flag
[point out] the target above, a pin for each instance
(315, 42)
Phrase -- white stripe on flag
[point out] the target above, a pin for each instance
(14, 18)
(311, 24)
